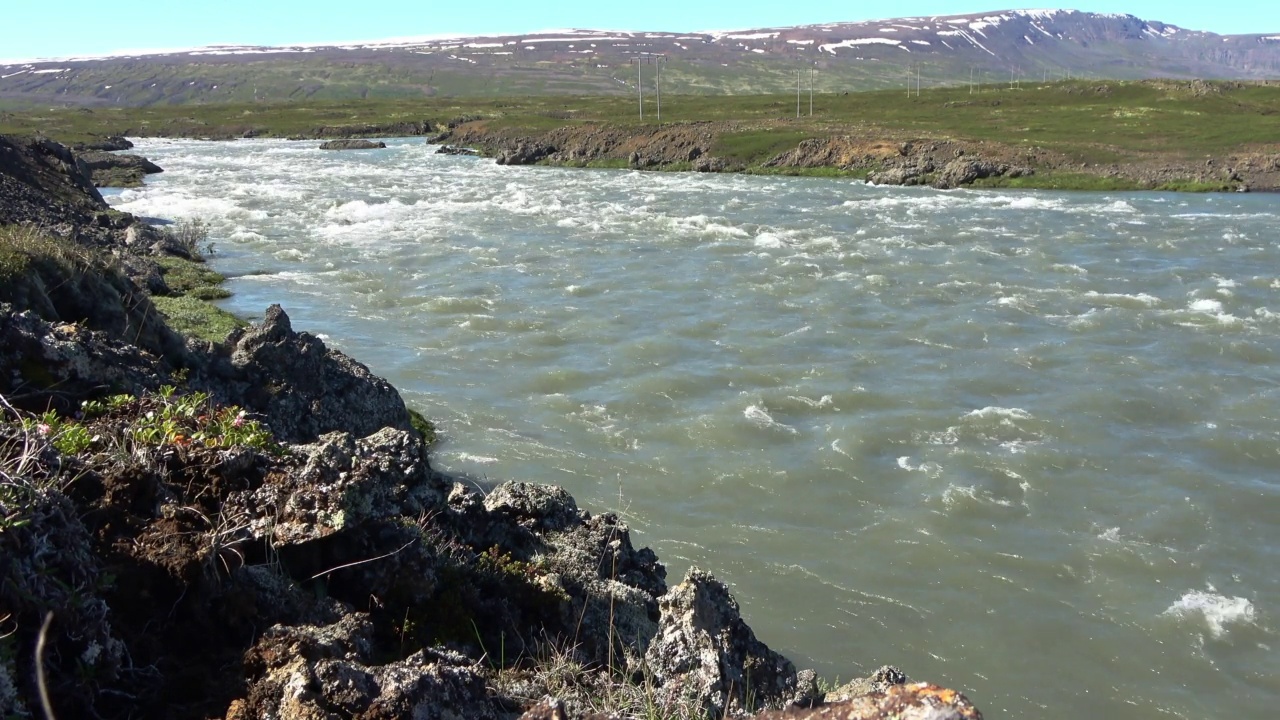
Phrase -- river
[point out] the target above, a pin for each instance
(1022, 444)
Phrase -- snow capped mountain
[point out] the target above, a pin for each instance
(849, 56)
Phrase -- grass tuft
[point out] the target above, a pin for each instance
(197, 318)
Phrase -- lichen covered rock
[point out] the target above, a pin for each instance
(304, 388)
(705, 650)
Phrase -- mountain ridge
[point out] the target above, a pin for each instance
(997, 46)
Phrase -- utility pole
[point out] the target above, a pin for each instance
(640, 85)
(797, 94)
(810, 91)
(657, 84)
(918, 79)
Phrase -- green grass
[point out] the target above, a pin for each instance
(1090, 123)
(197, 318)
(186, 277)
(755, 146)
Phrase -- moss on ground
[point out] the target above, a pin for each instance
(424, 426)
(190, 277)
(197, 318)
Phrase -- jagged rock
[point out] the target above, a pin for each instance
(401, 128)
(44, 363)
(706, 163)
(879, 681)
(110, 142)
(962, 172)
(310, 673)
(918, 701)
(117, 170)
(452, 150)
(705, 650)
(896, 176)
(609, 590)
(544, 507)
(352, 145)
(47, 565)
(306, 389)
(524, 153)
(345, 484)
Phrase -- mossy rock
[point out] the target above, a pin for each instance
(424, 426)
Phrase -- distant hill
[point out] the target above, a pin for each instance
(1011, 46)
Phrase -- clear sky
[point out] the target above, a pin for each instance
(60, 28)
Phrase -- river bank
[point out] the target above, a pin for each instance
(252, 526)
(1082, 135)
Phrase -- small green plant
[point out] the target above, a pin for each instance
(195, 420)
(193, 237)
(68, 436)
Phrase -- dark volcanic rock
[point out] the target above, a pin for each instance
(352, 145)
(309, 672)
(46, 363)
(306, 389)
(115, 170)
(525, 153)
(452, 150)
(916, 701)
(110, 142)
(705, 650)
(42, 181)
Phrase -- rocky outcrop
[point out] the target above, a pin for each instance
(404, 128)
(352, 145)
(963, 171)
(640, 147)
(456, 150)
(108, 143)
(43, 183)
(117, 170)
(916, 701)
(705, 650)
(58, 364)
(305, 388)
(306, 672)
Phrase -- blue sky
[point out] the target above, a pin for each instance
(91, 27)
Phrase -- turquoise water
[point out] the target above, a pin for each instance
(1024, 444)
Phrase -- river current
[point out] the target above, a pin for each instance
(1022, 444)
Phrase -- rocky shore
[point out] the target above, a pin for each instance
(251, 527)
(882, 159)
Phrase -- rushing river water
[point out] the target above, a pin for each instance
(1024, 444)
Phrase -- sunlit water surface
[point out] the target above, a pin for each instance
(1022, 444)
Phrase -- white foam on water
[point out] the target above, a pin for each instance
(1119, 206)
(301, 278)
(1206, 306)
(1216, 611)
(956, 494)
(758, 415)
(477, 459)
(1124, 299)
(1001, 412)
(824, 401)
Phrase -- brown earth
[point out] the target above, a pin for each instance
(885, 158)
